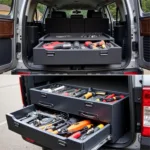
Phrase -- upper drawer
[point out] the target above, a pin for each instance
(108, 112)
(73, 56)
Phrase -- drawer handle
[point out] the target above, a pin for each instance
(43, 95)
(50, 54)
(103, 53)
(62, 143)
(49, 105)
(88, 104)
(88, 115)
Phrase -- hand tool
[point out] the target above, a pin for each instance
(102, 44)
(57, 45)
(54, 90)
(76, 127)
(76, 45)
(44, 114)
(42, 122)
(95, 45)
(78, 134)
(59, 119)
(80, 93)
(101, 93)
(115, 98)
(63, 126)
(108, 97)
(48, 126)
(89, 94)
(70, 92)
(30, 116)
(92, 130)
(90, 45)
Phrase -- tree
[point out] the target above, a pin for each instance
(6, 2)
(145, 5)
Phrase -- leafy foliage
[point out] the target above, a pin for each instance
(6, 2)
(41, 8)
(145, 5)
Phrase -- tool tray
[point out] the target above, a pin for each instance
(100, 111)
(48, 140)
(107, 56)
(75, 37)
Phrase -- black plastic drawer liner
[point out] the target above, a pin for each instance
(111, 113)
(109, 56)
(54, 142)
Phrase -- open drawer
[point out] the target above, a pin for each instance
(109, 55)
(49, 140)
(108, 112)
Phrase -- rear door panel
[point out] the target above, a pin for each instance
(143, 22)
(8, 39)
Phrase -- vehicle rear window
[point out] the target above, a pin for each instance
(145, 5)
(5, 7)
(40, 11)
(113, 10)
(74, 12)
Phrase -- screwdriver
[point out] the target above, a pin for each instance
(115, 98)
(81, 93)
(92, 130)
(54, 90)
(78, 134)
(108, 97)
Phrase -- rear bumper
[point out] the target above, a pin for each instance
(133, 71)
(145, 143)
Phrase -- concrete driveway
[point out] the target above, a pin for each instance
(10, 100)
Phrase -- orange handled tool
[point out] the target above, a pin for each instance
(78, 126)
(79, 133)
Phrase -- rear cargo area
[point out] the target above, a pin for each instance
(63, 107)
(87, 42)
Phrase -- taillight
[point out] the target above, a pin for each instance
(21, 90)
(29, 140)
(24, 73)
(130, 73)
(146, 112)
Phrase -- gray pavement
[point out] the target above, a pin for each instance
(10, 100)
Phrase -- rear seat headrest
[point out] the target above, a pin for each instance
(77, 16)
(97, 15)
(89, 14)
(58, 15)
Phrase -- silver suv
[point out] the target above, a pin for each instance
(74, 32)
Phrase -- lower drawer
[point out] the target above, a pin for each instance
(109, 56)
(49, 140)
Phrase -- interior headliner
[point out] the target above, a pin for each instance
(75, 4)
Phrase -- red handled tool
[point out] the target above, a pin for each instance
(78, 134)
(57, 45)
(115, 98)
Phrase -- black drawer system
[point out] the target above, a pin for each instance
(107, 112)
(77, 53)
(55, 142)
